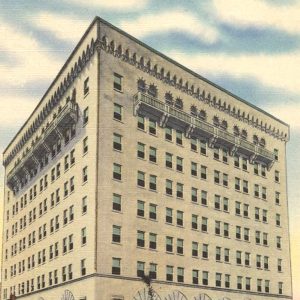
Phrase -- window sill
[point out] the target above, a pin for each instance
(120, 121)
(113, 210)
(116, 150)
(85, 95)
(114, 243)
(119, 91)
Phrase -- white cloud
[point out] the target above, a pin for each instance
(278, 71)
(126, 5)
(175, 20)
(64, 27)
(15, 110)
(31, 60)
(258, 13)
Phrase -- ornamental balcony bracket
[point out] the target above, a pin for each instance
(29, 163)
(171, 116)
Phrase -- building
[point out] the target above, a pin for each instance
(134, 175)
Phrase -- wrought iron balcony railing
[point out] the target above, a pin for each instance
(168, 115)
(66, 117)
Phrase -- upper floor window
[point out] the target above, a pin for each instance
(152, 90)
(276, 154)
(179, 103)
(86, 86)
(117, 112)
(141, 83)
(85, 116)
(117, 82)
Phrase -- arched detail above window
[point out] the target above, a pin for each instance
(224, 124)
(105, 42)
(216, 121)
(179, 103)
(262, 142)
(119, 51)
(162, 73)
(142, 62)
(169, 98)
(194, 110)
(174, 80)
(255, 139)
(152, 90)
(202, 115)
(244, 134)
(155, 70)
(236, 130)
(126, 55)
(134, 60)
(112, 46)
(168, 76)
(141, 84)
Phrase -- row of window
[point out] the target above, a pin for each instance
(221, 280)
(40, 281)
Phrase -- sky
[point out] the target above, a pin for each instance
(249, 47)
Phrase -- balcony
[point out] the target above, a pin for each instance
(168, 115)
(62, 121)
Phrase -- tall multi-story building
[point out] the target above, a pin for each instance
(135, 178)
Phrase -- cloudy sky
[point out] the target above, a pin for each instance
(250, 47)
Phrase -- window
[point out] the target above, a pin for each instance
(226, 255)
(258, 261)
(245, 186)
(117, 172)
(117, 144)
(217, 177)
(195, 249)
(247, 259)
(84, 205)
(179, 219)
(116, 266)
(204, 251)
(204, 224)
(70, 272)
(255, 168)
(152, 126)
(168, 133)
(279, 265)
(225, 204)
(169, 244)
(263, 170)
(169, 273)
(277, 198)
(280, 288)
(84, 174)
(246, 210)
(152, 154)
(117, 112)
(276, 176)
(179, 246)
(178, 137)
(152, 211)
(256, 190)
(141, 122)
(259, 285)
(140, 272)
(218, 253)
(193, 144)
(152, 240)
(179, 190)
(195, 276)
(85, 145)
(217, 227)
(276, 154)
(257, 210)
(153, 270)
(169, 190)
(257, 237)
(141, 179)
(218, 279)
(203, 197)
(225, 155)
(239, 282)
(179, 164)
(203, 147)
(278, 242)
(244, 164)
(194, 222)
(236, 161)
(264, 193)
(180, 274)
(237, 184)
(86, 86)
(248, 283)
(278, 222)
(141, 239)
(238, 232)
(116, 205)
(85, 116)
(116, 234)
(217, 202)
(140, 208)
(194, 168)
(169, 163)
(225, 179)
(72, 185)
(267, 286)
(238, 257)
(266, 262)
(203, 172)
(194, 195)
(265, 216)
(117, 82)
(152, 182)
(204, 277)
(141, 150)
(227, 280)
(72, 157)
(246, 234)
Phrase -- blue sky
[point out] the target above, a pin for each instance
(250, 47)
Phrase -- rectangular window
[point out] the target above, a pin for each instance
(117, 142)
(84, 205)
(117, 172)
(117, 112)
(169, 190)
(245, 186)
(140, 150)
(217, 177)
(237, 184)
(194, 222)
(141, 179)
(152, 154)
(203, 172)
(217, 227)
(195, 276)
(225, 204)
(169, 215)
(218, 279)
(152, 182)
(86, 86)
(169, 273)
(72, 157)
(248, 283)
(180, 274)
(277, 198)
(278, 220)
(246, 210)
(116, 266)
(277, 176)
(169, 244)
(225, 179)
(140, 208)
(204, 277)
(259, 285)
(179, 218)
(258, 261)
(263, 170)
(178, 137)
(152, 126)
(204, 251)
(194, 195)
(85, 145)
(179, 164)
(247, 259)
(193, 144)
(179, 246)
(204, 224)
(218, 253)
(217, 202)
(267, 286)
(278, 242)
(117, 82)
(216, 153)
(116, 205)
(226, 255)
(239, 282)
(141, 122)
(203, 197)
(85, 116)
(255, 168)
(264, 193)
(140, 272)
(169, 163)
(153, 270)
(236, 161)
(116, 234)
(203, 147)
(194, 169)
(168, 133)
(152, 211)
(152, 240)
(225, 155)
(141, 239)
(244, 163)
(276, 152)
(179, 190)
(195, 248)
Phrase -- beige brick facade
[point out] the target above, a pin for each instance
(151, 170)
